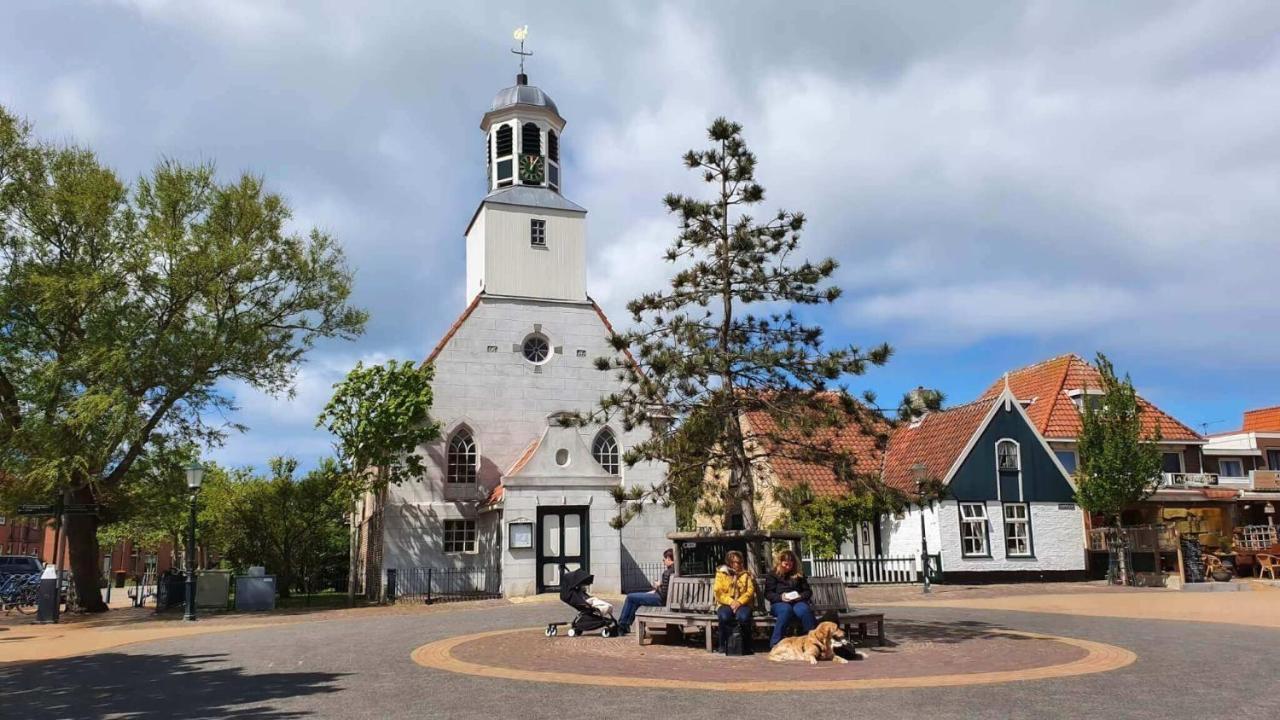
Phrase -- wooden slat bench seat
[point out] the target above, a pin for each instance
(690, 604)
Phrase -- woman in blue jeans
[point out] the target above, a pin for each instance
(789, 595)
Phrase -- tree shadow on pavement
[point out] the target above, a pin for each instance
(899, 632)
(135, 687)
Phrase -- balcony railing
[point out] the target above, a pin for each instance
(1187, 480)
(1263, 480)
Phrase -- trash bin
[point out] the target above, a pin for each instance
(120, 576)
(171, 591)
(255, 592)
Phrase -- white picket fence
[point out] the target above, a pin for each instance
(874, 571)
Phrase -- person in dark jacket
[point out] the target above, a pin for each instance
(654, 598)
(788, 593)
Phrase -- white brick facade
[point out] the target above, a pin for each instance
(1057, 538)
(483, 382)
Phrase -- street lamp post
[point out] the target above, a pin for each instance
(919, 471)
(195, 475)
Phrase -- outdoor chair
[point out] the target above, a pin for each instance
(1268, 564)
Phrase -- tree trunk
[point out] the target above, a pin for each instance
(82, 556)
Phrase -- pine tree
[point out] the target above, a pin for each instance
(723, 340)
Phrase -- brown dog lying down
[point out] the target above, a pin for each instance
(817, 645)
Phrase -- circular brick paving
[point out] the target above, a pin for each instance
(920, 654)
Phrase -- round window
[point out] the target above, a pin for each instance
(536, 349)
(562, 457)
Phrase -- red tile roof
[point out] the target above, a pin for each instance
(863, 447)
(936, 440)
(1262, 420)
(495, 495)
(1054, 413)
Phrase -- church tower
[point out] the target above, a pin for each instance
(526, 239)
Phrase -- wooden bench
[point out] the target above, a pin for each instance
(691, 604)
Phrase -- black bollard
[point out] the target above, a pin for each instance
(47, 598)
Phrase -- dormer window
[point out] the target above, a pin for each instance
(1007, 458)
(1086, 397)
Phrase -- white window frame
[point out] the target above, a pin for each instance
(1075, 460)
(537, 232)
(980, 520)
(611, 461)
(1182, 462)
(1017, 455)
(451, 477)
(999, 469)
(1238, 460)
(1014, 522)
(461, 545)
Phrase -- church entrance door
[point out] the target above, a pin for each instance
(563, 544)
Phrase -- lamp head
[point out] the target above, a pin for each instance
(195, 475)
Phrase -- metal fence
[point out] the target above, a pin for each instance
(435, 585)
(639, 577)
(876, 570)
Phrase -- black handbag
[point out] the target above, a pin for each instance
(736, 644)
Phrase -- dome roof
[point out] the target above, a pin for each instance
(522, 95)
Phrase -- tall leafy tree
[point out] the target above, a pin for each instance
(1119, 462)
(293, 526)
(724, 339)
(124, 312)
(379, 414)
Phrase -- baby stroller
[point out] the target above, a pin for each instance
(593, 613)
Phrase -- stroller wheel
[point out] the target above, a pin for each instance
(551, 630)
(573, 632)
(606, 632)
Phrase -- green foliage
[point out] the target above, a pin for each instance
(295, 528)
(380, 415)
(723, 340)
(826, 521)
(1118, 465)
(127, 311)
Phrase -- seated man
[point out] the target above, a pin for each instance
(655, 598)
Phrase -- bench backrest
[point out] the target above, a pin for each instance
(690, 594)
(694, 594)
(828, 595)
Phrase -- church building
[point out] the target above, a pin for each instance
(507, 487)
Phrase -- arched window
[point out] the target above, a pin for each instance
(553, 146)
(461, 457)
(605, 450)
(504, 141)
(530, 139)
(1007, 455)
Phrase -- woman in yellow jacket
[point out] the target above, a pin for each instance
(734, 589)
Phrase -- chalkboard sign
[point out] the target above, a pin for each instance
(1192, 560)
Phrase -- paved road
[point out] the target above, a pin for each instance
(356, 668)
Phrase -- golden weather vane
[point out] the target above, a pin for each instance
(520, 34)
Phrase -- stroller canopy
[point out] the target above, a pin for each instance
(573, 581)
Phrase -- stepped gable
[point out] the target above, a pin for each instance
(1043, 389)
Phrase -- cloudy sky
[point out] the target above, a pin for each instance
(999, 186)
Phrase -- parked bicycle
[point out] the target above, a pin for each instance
(19, 592)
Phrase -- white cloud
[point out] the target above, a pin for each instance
(71, 105)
